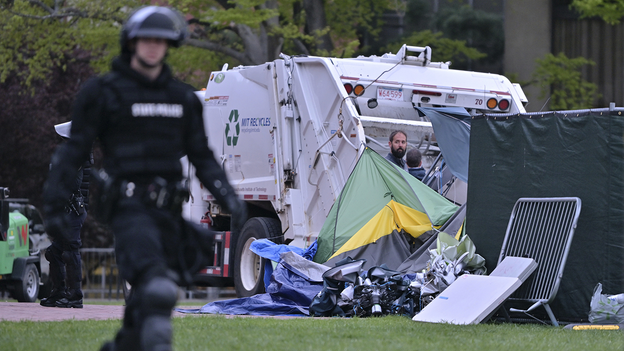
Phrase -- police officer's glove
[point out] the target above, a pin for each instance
(57, 225)
(238, 209)
(196, 251)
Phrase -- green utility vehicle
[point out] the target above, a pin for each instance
(20, 263)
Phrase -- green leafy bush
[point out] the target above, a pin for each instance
(559, 78)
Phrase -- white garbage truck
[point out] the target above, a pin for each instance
(289, 132)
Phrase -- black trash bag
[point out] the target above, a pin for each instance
(381, 274)
(384, 292)
(325, 303)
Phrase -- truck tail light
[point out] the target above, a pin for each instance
(349, 88)
(503, 104)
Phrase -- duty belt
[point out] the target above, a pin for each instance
(76, 204)
(159, 193)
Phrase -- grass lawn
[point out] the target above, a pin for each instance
(210, 332)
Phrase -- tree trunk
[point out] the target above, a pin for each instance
(316, 21)
(260, 46)
(273, 43)
(255, 43)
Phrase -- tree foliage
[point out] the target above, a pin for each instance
(562, 76)
(257, 31)
(443, 49)
(39, 36)
(611, 11)
(27, 136)
(470, 38)
(480, 30)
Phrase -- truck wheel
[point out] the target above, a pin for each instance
(249, 272)
(27, 289)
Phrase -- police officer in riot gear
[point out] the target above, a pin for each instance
(145, 121)
(64, 254)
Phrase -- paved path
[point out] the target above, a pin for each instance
(18, 311)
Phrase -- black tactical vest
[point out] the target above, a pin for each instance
(144, 127)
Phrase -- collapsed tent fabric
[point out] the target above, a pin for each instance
(418, 260)
(453, 135)
(378, 206)
(554, 154)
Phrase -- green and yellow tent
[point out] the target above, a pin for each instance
(378, 208)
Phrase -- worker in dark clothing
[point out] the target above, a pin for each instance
(145, 122)
(398, 146)
(64, 254)
(413, 158)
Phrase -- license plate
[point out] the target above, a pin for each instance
(390, 94)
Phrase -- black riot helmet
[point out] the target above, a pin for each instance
(154, 22)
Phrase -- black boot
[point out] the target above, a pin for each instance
(73, 298)
(55, 295)
(57, 276)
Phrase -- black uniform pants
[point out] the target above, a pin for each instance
(70, 243)
(147, 242)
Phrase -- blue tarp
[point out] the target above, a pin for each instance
(293, 285)
(267, 249)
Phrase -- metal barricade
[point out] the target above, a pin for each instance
(101, 280)
(100, 275)
(542, 229)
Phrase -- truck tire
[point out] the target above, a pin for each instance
(27, 289)
(249, 272)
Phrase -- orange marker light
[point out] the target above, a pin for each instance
(492, 103)
(358, 90)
